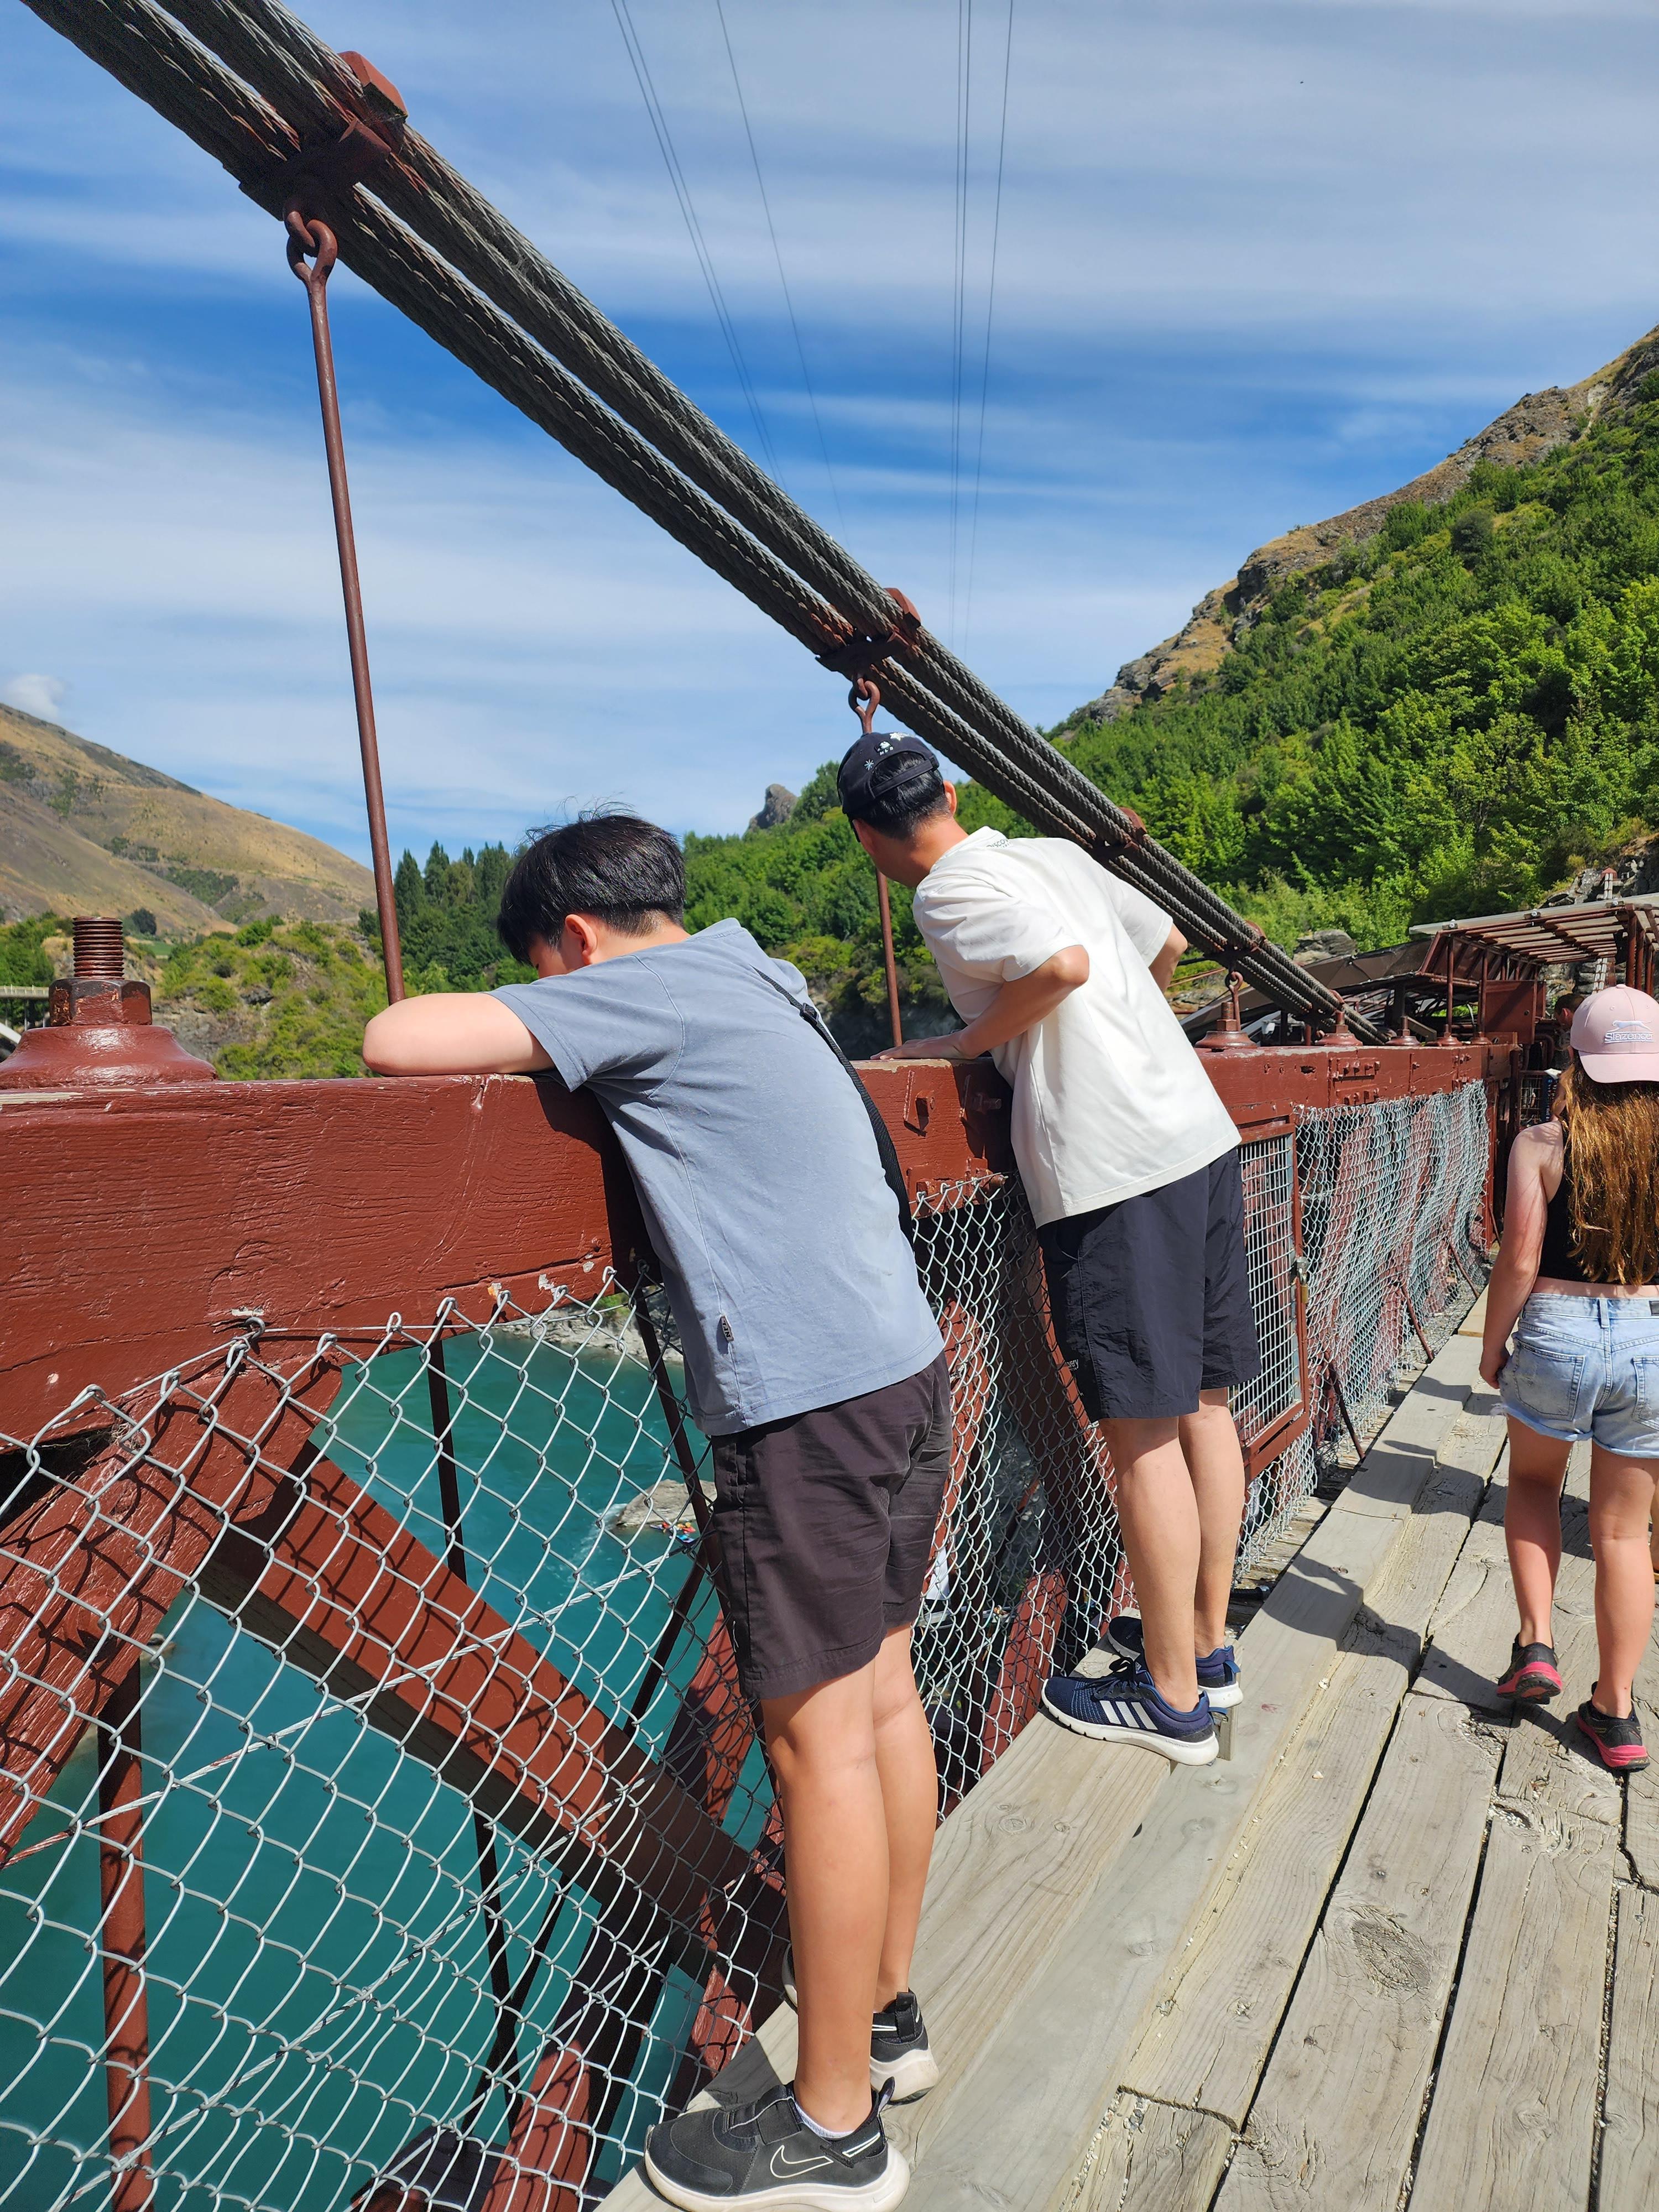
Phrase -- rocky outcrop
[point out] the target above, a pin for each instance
(1537, 424)
(777, 808)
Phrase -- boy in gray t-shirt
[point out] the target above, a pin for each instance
(816, 1367)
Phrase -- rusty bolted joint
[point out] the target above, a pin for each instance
(99, 1030)
(1229, 1033)
(858, 653)
(364, 139)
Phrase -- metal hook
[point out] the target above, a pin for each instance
(306, 235)
(864, 698)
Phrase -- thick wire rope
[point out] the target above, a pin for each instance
(777, 255)
(677, 178)
(761, 537)
(990, 314)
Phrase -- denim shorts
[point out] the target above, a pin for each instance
(1586, 1367)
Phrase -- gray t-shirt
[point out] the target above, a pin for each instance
(782, 1256)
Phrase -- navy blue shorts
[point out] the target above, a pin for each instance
(1150, 1298)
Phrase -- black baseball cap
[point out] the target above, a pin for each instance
(888, 766)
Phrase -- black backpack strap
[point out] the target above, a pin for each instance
(887, 1150)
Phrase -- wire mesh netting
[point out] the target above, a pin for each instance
(1394, 1235)
(386, 1823)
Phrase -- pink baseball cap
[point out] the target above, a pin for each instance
(1616, 1036)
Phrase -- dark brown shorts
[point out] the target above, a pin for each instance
(826, 1523)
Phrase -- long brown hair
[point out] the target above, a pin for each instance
(1613, 1130)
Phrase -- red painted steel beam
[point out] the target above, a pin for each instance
(232, 1501)
(335, 1584)
(121, 1938)
(88, 1571)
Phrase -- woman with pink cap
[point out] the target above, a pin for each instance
(1578, 1271)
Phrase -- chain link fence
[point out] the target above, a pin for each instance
(1394, 1232)
(386, 1826)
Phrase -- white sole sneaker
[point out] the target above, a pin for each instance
(1203, 1753)
(1221, 1700)
(878, 2195)
(912, 2075)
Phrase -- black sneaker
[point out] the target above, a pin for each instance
(1618, 1742)
(1534, 1671)
(765, 2154)
(1125, 1707)
(1218, 1670)
(901, 2061)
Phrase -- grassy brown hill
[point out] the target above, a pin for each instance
(84, 829)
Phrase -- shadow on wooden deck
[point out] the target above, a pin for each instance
(1402, 1949)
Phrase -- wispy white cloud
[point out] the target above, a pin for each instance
(35, 694)
(1255, 264)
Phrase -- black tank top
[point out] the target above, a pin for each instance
(1558, 1257)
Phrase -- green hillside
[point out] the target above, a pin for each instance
(1440, 708)
(1451, 716)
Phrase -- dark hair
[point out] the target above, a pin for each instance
(626, 873)
(905, 792)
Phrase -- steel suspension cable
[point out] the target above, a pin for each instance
(500, 307)
(316, 89)
(777, 255)
(677, 178)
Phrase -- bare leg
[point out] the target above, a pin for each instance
(909, 1798)
(1621, 1506)
(1157, 1513)
(823, 1743)
(1532, 1526)
(1215, 1461)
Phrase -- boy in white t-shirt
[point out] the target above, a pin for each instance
(1130, 1162)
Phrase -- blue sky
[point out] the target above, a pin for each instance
(1254, 264)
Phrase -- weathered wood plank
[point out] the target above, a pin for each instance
(1336, 2118)
(1214, 2021)
(1475, 1623)
(1051, 2064)
(1512, 2120)
(1008, 1869)
(1215, 2017)
(1641, 1791)
(1630, 2139)
(1152, 2158)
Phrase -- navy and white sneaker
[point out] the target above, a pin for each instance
(1218, 1670)
(902, 2059)
(764, 2154)
(1124, 1706)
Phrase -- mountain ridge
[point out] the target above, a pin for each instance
(84, 829)
(1538, 423)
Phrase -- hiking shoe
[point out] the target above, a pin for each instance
(1533, 1672)
(1619, 1744)
(1218, 1670)
(764, 2154)
(1124, 1706)
(900, 2058)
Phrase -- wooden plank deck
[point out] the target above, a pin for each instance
(1401, 1951)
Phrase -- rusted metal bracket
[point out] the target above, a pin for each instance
(861, 650)
(326, 170)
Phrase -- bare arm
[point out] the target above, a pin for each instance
(1017, 1005)
(1534, 1172)
(452, 1033)
(1163, 964)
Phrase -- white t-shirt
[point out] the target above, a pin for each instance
(1110, 1099)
